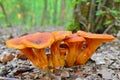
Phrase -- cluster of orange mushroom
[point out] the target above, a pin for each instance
(65, 47)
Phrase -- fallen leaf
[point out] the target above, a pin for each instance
(5, 59)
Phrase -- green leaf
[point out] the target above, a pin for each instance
(84, 0)
(1, 15)
(98, 1)
(107, 22)
(117, 0)
(99, 13)
(74, 3)
(114, 12)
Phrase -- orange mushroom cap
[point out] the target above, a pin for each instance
(103, 37)
(60, 35)
(74, 38)
(39, 40)
(16, 42)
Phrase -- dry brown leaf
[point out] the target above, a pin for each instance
(5, 59)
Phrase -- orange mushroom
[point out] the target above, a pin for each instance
(16, 43)
(74, 47)
(38, 43)
(55, 52)
(92, 43)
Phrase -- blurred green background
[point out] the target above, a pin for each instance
(35, 12)
(99, 16)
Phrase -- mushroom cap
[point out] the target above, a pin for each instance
(74, 38)
(60, 35)
(104, 37)
(39, 40)
(16, 42)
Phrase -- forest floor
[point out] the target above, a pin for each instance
(103, 65)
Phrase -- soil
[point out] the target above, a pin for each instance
(103, 65)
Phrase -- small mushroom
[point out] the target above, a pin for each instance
(38, 43)
(74, 47)
(92, 43)
(55, 52)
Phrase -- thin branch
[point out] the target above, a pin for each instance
(84, 25)
(108, 28)
(83, 20)
(99, 8)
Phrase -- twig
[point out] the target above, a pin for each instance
(99, 8)
(84, 25)
(108, 28)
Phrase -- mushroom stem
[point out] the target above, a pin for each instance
(63, 51)
(55, 53)
(63, 54)
(28, 52)
(50, 62)
(73, 51)
(41, 58)
(91, 46)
